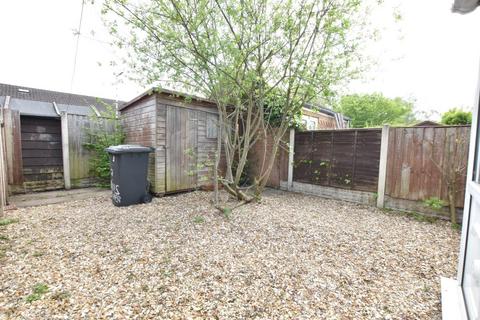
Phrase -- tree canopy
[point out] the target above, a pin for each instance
(373, 110)
(245, 55)
(457, 116)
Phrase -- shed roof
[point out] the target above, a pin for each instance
(182, 95)
(34, 94)
(168, 92)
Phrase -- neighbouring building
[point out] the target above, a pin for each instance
(317, 118)
(428, 123)
(44, 137)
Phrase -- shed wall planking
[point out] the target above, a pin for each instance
(139, 123)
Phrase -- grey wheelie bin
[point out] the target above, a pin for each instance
(129, 168)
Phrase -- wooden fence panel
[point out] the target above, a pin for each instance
(346, 159)
(258, 159)
(367, 159)
(343, 158)
(78, 126)
(78, 154)
(321, 157)
(418, 156)
(303, 157)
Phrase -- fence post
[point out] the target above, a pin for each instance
(3, 184)
(382, 170)
(291, 148)
(65, 150)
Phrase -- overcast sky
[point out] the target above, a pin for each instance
(431, 55)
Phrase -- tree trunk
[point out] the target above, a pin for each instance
(451, 205)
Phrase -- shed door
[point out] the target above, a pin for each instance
(182, 141)
(42, 153)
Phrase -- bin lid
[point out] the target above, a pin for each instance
(128, 148)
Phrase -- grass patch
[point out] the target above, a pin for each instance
(7, 221)
(199, 219)
(38, 291)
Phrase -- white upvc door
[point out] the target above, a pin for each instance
(469, 258)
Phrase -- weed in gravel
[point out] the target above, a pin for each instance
(40, 288)
(61, 295)
(38, 291)
(37, 254)
(2, 253)
(421, 217)
(199, 219)
(7, 221)
(456, 226)
(167, 273)
(3, 238)
(414, 215)
(144, 288)
(33, 297)
(227, 212)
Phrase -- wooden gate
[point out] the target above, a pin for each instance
(41, 153)
(181, 149)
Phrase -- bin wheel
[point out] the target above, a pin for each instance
(147, 198)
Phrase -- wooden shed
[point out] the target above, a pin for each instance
(182, 129)
(43, 138)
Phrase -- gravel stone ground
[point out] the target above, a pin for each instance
(291, 256)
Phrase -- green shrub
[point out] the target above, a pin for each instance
(457, 116)
(434, 203)
(105, 131)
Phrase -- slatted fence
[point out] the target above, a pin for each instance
(347, 159)
(417, 156)
(345, 164)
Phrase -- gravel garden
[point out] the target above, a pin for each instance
(290, 256)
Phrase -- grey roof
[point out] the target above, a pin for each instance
(34, 94)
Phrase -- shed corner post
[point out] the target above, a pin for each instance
(291, 148)
(382, 170)
(65, 150)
